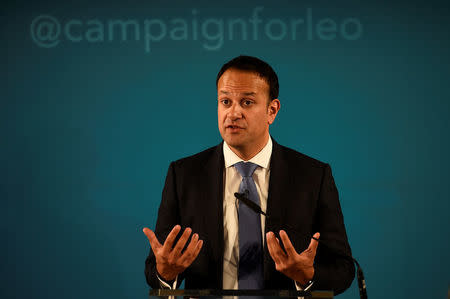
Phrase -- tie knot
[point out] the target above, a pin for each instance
(245, 169)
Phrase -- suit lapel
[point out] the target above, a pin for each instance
(213, 199)
(277, 203)
(278, 189)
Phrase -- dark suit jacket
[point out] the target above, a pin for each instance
(302, 200)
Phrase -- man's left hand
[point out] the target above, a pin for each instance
(299, 267)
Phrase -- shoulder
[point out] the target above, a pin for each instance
(295, 166)
(295, 158)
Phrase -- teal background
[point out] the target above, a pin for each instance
(88, 132)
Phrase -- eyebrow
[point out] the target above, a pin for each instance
(250, 93)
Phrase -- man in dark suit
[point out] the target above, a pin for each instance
(297, 192)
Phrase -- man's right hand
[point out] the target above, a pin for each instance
(170, 261)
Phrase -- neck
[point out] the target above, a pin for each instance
(246, 153)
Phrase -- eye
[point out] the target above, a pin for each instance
(225, 102)
(247, 102)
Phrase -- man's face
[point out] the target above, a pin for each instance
(244, 110)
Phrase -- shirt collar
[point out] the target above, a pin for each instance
(261, 159)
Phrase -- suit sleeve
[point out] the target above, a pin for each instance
(333, 271)
(168, 217)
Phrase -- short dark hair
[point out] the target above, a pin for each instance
(255, 65)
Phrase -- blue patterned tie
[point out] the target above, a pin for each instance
(250, 273)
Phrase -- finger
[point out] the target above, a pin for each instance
(278, 241)
(181, 242)
(154, 243)
(314, 243)
(197, 249)
(274, 248)
(290, 250)
(191, 248)
(316, 236)
(278, 249)
(168, 244)
(189, 257)
(270, 248)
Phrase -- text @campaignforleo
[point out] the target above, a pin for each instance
(47, 32)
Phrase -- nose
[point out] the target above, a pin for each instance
(235, 112)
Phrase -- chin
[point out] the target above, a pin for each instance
(235, 142)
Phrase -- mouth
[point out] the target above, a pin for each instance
(233, 128)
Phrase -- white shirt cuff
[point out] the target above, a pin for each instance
(299, 288)
(165, 285)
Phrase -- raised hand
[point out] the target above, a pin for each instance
(299, 267)
(170, 261)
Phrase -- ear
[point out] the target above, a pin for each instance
(272, 110)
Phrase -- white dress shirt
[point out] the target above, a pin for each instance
(232, 180)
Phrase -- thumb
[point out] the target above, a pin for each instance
(314, 243)
(154, 243)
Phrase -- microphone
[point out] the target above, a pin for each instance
(251, 204)
(243, 197)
